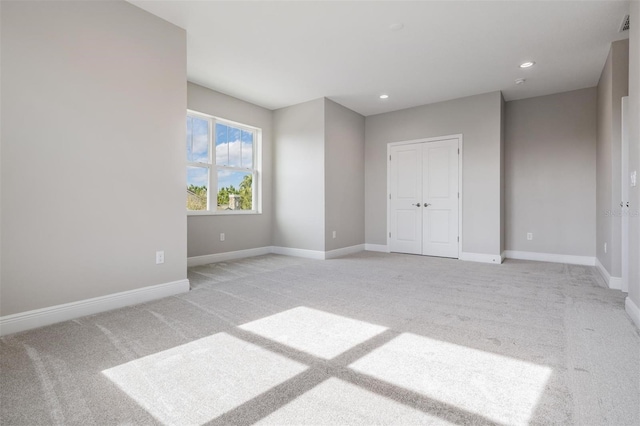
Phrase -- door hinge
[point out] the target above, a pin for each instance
(389, 158)
(389, 196)
(458, 239)
(458, 195)
(458, 151)
(389, 234)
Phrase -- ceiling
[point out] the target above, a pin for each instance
(275, 54)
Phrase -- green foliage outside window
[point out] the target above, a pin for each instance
(246, 201)
(245, 193)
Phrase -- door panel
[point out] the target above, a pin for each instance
(406, 230)
(440, 198)
(438, 176)
(439, 224)
(408, 172)
(406, 190)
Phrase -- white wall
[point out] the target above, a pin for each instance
(241, 231)
(299, 176)
(550, 173)
(93, 119)
(478, 119)
(634, 163)
(613, 85)
(344, 176)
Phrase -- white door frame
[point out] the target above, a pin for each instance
(460, 189)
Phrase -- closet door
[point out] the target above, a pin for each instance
(440, 198)
(423, 198)
(405, 179)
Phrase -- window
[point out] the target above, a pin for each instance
(222, 155)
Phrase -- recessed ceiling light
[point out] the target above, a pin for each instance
(396, 27)
(384, 96)
(527, 64)
(520, 81)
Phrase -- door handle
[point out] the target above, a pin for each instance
(417, 205)
(427, 204)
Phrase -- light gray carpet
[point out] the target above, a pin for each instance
(366, 339)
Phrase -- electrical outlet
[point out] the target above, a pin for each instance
(159, 257)
(529, 236)
(334, 234)
(222, 236)
(605, 247)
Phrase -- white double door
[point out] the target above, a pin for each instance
(423, 198)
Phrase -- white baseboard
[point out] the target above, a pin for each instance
(549, 257)
(286, 251)
(632, 310)
(23, 321)
(481, 257)
(230, 255)
(382, 248)
(603, 271)
(344, 251)
(309, 254)
(615, 283)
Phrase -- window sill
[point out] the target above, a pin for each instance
(223, 213)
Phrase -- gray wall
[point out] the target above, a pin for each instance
(92, 156)
(241, 231)
(634, 156)
(550, 173)
(613, 85)
(298, 176)
(478, 119)
(344, 176)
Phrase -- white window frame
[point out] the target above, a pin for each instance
(256, 171)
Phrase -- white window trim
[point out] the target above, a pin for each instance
(212, 193)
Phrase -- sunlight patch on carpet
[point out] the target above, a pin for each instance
(496, 387)
(314, 332)
(198, 381)
(336, 402)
